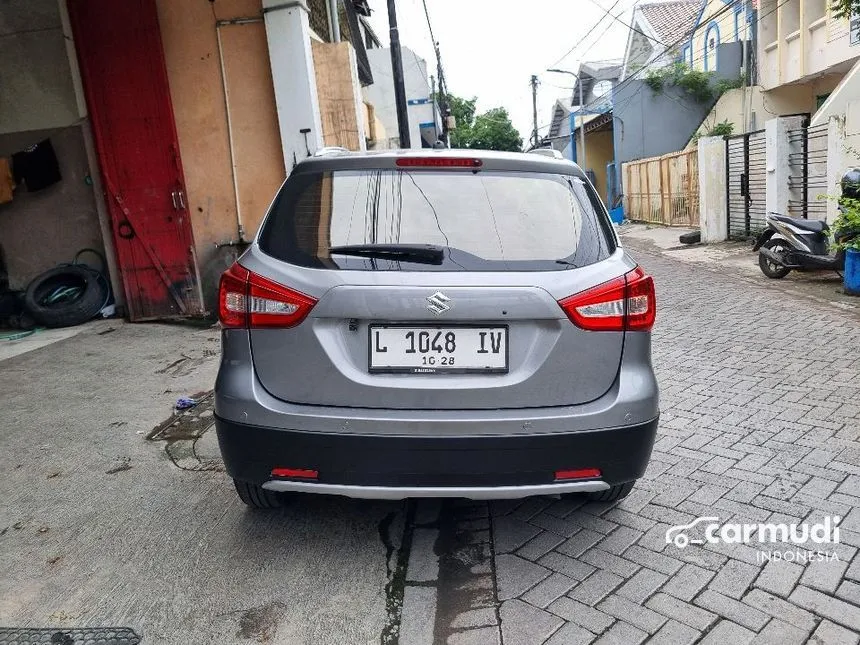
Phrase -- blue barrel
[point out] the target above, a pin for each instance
(852, 272)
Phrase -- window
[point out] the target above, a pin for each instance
(485, 221)
(712, 42)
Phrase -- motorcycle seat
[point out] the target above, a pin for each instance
(812, 225)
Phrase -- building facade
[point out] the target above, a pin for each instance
(719, 22)
(804, 51)
(421, 109)
(172, 125)
(657, 34)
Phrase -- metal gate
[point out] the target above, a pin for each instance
(807, 181)
(663, 190)
(746, 178)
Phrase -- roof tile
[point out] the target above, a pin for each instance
(672, 19)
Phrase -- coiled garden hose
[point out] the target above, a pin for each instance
(19, 334)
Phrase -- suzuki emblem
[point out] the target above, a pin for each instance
(438, 303)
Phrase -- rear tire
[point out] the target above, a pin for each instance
(771, 270)
(258, 497)
(619, 491)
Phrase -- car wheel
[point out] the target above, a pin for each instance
(619, 491)
(258, 497)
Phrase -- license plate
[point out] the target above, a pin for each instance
(405, 349)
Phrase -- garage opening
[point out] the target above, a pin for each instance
(48, 205)
(89, 163)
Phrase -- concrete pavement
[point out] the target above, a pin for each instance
(98, 527)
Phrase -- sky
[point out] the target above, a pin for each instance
(490, 48)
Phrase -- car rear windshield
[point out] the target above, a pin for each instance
(481, 221)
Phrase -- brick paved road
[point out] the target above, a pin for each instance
(760, 423)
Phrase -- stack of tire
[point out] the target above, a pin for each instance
(67, 295)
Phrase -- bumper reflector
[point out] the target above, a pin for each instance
(582, 473)
(295, 473)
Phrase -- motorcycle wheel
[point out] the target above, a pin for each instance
(772, 269)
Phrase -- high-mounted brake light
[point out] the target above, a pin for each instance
(627, 303)
(250, 301)
(438, 162)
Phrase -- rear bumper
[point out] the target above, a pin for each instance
(469, 492)
(393, 467)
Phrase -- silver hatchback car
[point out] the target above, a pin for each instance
(436, 323)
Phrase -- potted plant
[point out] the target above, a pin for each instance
(849, 220)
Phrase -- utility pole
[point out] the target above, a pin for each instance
(433, 105)
(397, 72)
(580, 158)
(333, 20)
(444, 108)
(745, 68)
(535, 138)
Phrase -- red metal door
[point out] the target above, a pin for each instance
(125, 82)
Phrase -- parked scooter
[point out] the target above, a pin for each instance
(803, 244)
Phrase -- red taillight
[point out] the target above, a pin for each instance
(295, 473)
(233, 297)
(641, 301)
(248, 300)
(438, 162)
(625, 303)
(582, 473)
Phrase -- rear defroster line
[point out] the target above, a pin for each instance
(74, 636)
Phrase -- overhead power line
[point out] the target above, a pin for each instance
(683, 39)
(429, 26)
(440, 74)
(590, 31)
(669, 47)
(627, 24)
(686, 37)
(717, 14)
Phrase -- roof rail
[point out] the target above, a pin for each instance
(547, 152)
(331, 150)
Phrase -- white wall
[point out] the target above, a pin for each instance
(288, 37)
(713, 216)
(37, 91)
(381, 93)
(809, 43)
(842, 153)
(847, 91)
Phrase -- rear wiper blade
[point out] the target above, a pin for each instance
(424, 253)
